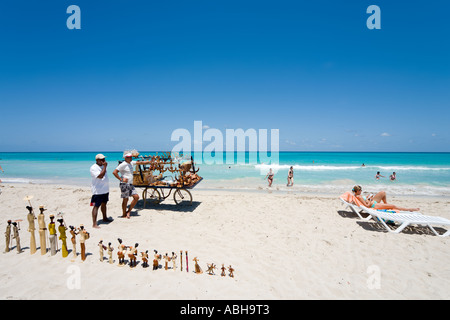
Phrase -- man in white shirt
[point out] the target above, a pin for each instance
(100, 188)
(126, 184)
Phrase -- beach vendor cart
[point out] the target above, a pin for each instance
(158, 185)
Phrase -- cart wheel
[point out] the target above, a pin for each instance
(182, 197)
(151, 195)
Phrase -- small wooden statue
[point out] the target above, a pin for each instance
(223, 274)
(84, 235)
(174, 260)
(181, 259)
(101, 248)
(157, 258)
(8, 236)
(52, 237)
(74, 234)
(198, 270)
(62, 236)
(166, 259)
(31, 228)
(42, 230)
(144, 256)
(120, 253)
(110, 250)
(132, 254)
(231, 270)
(16, 236)
(211, 268)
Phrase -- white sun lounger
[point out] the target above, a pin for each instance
(356, 209)
(406, 219)
(361, 209)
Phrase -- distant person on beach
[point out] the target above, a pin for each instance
(100, 188)
(290, 178)
(393, 176)
(363, 165)
(378, 175)
(269, 177)
(374, 201)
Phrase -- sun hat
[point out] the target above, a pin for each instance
(128, 155)
(99, 156)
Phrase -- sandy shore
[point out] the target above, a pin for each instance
(281, 245)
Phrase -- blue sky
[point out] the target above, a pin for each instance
(137, 70)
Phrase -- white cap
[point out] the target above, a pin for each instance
(99, 156)
(128, 155)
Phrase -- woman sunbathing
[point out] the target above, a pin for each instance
(375, 201)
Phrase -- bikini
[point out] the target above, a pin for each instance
(374, 202)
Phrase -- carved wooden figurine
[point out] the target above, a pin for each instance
(8, 236)
(223, 274)
(181, 259)
(42, 230)
(231, 270)
(132, 254)
(16, 236)
(174, 261)
(74, 234)
(144, 256)
(211, 268)
(166, 259)
(101, 247)
(52, 237)
(120, 253)
(110, 250)
(84, 235)
(198, 270)
(31, 228)
(62, 236)
(157, 258)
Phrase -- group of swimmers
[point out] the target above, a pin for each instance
(392, 177)
(290, 177)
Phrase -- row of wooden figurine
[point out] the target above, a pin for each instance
(132, 253)
(45, 238)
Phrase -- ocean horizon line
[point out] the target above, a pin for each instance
(281, 151)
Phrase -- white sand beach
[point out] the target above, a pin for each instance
(282, 245)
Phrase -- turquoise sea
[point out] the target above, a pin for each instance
(417, 173)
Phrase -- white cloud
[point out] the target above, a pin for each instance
(290, 142)
(385, 134)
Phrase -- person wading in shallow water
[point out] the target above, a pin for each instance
(269, 177)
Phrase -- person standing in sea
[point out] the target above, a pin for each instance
(269, 177)
(290, 179)
(100, 189)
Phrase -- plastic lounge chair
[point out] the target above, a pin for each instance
(406, 219)
(356, 209)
